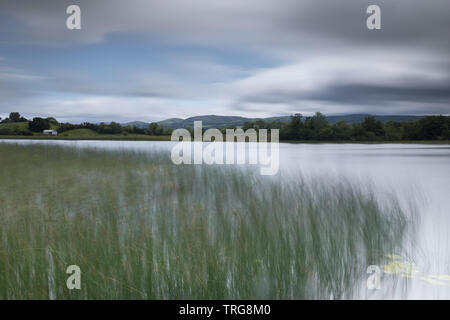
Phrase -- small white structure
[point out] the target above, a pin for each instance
(50, 132)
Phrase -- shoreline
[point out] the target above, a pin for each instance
(167, 138)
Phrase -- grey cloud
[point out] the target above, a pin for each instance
(358, 81)
(326, 43)
(252, 23)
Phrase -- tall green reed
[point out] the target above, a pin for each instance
(140, 227)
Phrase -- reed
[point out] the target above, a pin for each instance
(140, 227)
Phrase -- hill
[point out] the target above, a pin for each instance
(139, 124)
(14, 127)
(208, 121)
(214, 121)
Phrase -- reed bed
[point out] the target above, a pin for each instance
(140, 227)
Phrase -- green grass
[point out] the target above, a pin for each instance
(140, 227)
(15, 126)
(22, 126)
(79, 133)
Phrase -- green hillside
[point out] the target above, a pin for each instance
(15, 126)
(79, 133)
(11, 128)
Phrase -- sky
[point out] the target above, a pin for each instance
(152, 60)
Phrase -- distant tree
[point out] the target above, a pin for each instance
(315, 127)
(154, 129)
(433, 127)
(168, 131)
(52, 120)
(318, 121)
(112, 128)
(14, 117)
(341, 131)
(295, 126)
(394, 131)
(371, 125)
(134, 130)
(259, 124)
(115, 128)
(411, 130)
(38, 125)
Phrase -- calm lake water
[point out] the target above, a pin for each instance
(413, 172)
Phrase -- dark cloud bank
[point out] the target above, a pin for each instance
(324, 58)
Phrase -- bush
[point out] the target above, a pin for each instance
(38, 125)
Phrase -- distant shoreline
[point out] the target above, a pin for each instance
(105, 138)
(167, 138)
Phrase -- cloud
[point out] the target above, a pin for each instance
(252, 23)
(251, 58)
(350, 78)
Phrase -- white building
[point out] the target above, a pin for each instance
(50, 132)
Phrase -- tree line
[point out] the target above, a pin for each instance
(298, 128)
(316, 128)
(38, 125)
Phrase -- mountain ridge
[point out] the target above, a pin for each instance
(215, 121)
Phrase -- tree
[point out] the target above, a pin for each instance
(315, 127)
(433, 127)
(370, 124)
(14, 117)
(318, 121)
(155, 129)
(295, 126)
(341, 131)
(115, 128)
(411, 130)
(394, 131)
(38, 125)
(52, 120)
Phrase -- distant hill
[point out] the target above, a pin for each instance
(139, 124)
(207, 121)
(212, 121)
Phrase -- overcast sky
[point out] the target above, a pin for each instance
(151, 60)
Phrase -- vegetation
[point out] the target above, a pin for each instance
(297, 128)
(15, 129)
(316, 128)
(220, 122)
(140, 227)
(38, 125)
(115, 128)
(17, 126)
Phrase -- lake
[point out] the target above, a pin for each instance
(416, 173)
